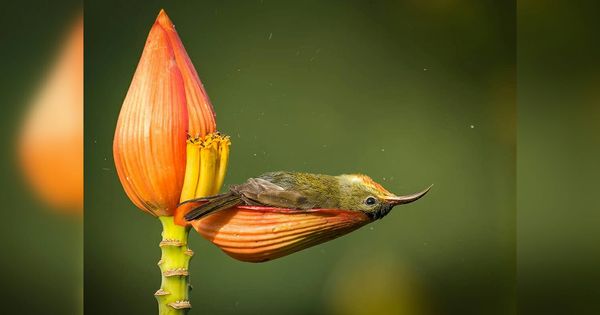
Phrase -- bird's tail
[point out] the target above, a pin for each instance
(213, 204)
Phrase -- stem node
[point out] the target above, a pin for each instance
(161, 292)
(178, 305)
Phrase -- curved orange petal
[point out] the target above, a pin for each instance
(150, 138)
(258, 234)
(200, 110)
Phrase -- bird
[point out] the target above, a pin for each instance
(306, 191)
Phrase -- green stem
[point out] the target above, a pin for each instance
(173, 295)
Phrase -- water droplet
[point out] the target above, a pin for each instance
(371, 228)
(472, 126)
(382, 150)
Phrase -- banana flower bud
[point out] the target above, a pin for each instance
(165, 120)
(167, 150)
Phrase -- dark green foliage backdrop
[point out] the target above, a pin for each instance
(41, 260)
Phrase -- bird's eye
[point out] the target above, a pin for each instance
(370, 201)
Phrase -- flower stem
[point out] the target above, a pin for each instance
(173, 295)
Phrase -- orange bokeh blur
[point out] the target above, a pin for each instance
(51, 141)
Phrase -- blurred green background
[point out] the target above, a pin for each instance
(42, 247)
(409, 92)
(558, 157)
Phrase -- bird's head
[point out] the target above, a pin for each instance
(360, 192)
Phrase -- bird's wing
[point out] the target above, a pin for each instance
(260, 192)
(195, 208)
(254, 192)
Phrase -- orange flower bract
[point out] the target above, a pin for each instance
(150, 139)
(259, 234)
(201, 115)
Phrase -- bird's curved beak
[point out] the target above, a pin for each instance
(399, 200)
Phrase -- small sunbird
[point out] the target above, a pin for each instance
(305, 191)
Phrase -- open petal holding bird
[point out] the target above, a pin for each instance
(280, 213)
